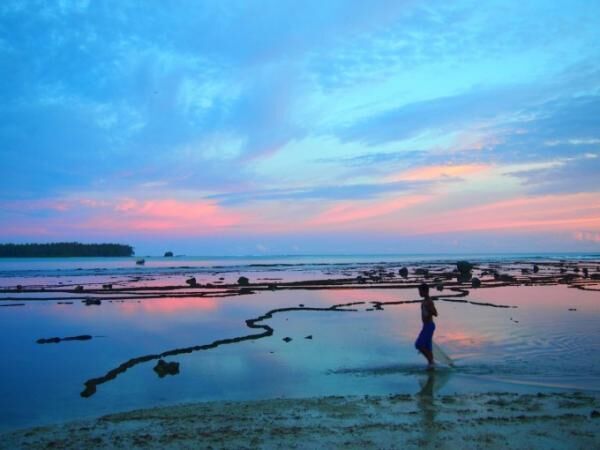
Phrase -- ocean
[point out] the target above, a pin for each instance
(330, 334)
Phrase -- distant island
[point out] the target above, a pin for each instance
(63, 249)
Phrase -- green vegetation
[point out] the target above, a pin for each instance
(63, 249)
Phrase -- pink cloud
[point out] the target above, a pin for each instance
(587, 236)
(439, 171)
(568, 212)
(164, 215)
(350, 212)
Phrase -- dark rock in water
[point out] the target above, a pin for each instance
(19, 287)
(403, 272)
(192, 282)
(92, 301)
(463, 277)
(464, 267)
(78, 288)
(209, 285)
(301, 305)
(504, 277)
(272, 286)
(107, 286)
(536, 268)
(168, 254)
(164, 368)
(221, 278)
(56, 340)
(476, 282)
(243, 281)
(308, 337)
(140, 262)
(246, 291)
(595, 276)
(585, 272)
(423, 272)
(360, 279)
(525, 271)
(287, 339)
(595, 414)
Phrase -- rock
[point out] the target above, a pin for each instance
(423, 272)
(536, 268)
(168, 254)
(272, 287)
(92, 301)
(476, 282)
(308, 337)
(140, 262)
(595, 414)
(243, 281)
(192, 282)
(439, 286)
(403, 272)
(525, 271)
(464, 267)
(107, 286)
(287, 339)
(463, 277)
(360, 279)
(19, 287)
(78, 288)
(301, 305)
(504, 277)
(164, 368)
(54, 340)
(246, 291)
(585, 272)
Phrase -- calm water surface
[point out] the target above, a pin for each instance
(538, 345)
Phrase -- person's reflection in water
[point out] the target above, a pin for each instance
(430, 385)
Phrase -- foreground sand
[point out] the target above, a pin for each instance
(557, 420)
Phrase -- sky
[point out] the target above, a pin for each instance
(285, 127)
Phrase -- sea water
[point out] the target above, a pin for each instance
(549, 340)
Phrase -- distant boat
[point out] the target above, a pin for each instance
(140, 262)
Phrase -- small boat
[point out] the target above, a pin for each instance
(140, 262)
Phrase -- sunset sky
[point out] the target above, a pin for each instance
(278, 127)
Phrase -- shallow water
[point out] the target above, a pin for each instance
(538, 345)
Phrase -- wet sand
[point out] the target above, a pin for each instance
(491, 420)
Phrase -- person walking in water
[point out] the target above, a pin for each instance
(424, 341)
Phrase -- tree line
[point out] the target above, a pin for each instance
(63, 249)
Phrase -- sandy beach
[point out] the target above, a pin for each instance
(491, 420)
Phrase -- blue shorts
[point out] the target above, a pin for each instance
(425, 336)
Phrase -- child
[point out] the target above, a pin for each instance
(423, 342)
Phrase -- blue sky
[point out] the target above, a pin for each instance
(281, 127)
